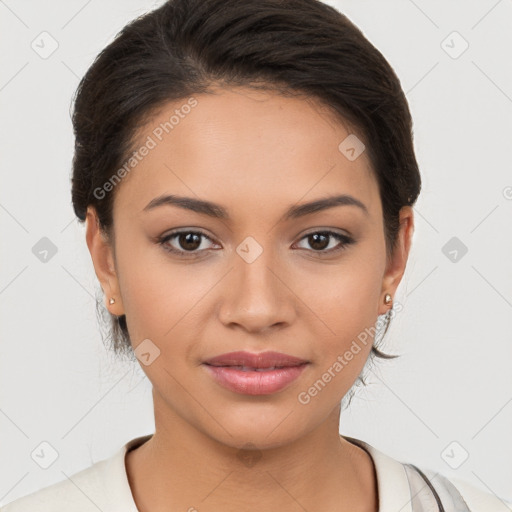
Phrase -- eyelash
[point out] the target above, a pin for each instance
(345, 241)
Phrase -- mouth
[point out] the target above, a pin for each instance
(250, 369)
(255, 374)
(251, 361)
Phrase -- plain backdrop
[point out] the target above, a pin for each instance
(445, 404)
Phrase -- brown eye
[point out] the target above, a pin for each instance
(318, 240)
(184, 242)
(189, 241)
(322, 241)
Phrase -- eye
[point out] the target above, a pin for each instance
(190, 243)
(320, 240)
(187, 241)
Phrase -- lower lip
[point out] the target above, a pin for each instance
(252, 382)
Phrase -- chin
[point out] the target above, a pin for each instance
(256, 429)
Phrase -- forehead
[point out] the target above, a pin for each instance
(247, 147)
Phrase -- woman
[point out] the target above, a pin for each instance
(246, 173)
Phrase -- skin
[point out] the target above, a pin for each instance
(256, 154)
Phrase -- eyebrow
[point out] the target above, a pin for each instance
(217, 211)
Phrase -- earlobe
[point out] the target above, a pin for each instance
(100, 249)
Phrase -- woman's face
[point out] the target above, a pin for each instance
(252, 270)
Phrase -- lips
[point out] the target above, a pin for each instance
(247, 361)
(255, 374)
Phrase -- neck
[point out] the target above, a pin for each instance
(182, 468)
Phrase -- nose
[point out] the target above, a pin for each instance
(256, 296)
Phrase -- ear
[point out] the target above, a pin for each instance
(104, 263)
(395, 267)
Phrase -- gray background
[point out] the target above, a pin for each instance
(450, 394)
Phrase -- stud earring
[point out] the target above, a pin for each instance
(112, 300)
(387, 299)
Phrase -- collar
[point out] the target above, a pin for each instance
(392, 482)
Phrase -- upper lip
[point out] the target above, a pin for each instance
(251, 360)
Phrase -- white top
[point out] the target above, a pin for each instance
(104, 486)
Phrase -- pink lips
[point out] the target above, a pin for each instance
(255, 374)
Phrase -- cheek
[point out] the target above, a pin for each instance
(343, 312)
(345, 297)
(149, 289)
(160, 298)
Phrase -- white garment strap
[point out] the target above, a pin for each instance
(432, 492)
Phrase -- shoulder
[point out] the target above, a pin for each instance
(457, 494)
(479, 500)
(102, 486)
(81, 492)
(75, 493)
(409, 488)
